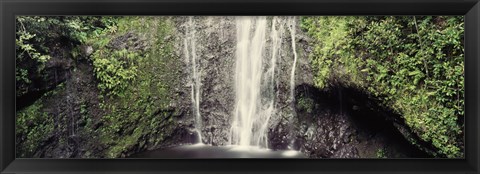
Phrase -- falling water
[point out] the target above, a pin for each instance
(191, 55)
(248, 75)
(291, 26)
(254, 104)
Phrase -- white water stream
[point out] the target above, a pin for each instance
(291, 26)
(191, 55)
(255, 79)
(248, 76)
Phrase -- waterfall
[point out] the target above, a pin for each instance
(191, 57)
(291, 26)
(254, 81)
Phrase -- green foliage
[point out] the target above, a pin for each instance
(306, 104)
(332, 46)
(139, 109)
(414, 64)
(40, 39)
(115, 69)
(37, 37)
(32, 128)
(26, 48)
(381, 153)
(135, 78)
(83, 109)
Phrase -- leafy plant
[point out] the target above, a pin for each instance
(113, 73)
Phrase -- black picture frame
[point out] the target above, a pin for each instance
(10, 8)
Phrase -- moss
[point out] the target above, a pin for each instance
(33, 126)
(140, 108)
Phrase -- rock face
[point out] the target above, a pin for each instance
(69, 109)
(215, 50)
(57, 70)
(343, 122)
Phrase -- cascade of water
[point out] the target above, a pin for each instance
(255, 94)
(291, 26)
(191, 57)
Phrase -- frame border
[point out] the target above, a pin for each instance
(10, 8)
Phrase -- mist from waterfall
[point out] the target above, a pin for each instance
(191, 57)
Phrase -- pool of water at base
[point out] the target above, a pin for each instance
(200, 151)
